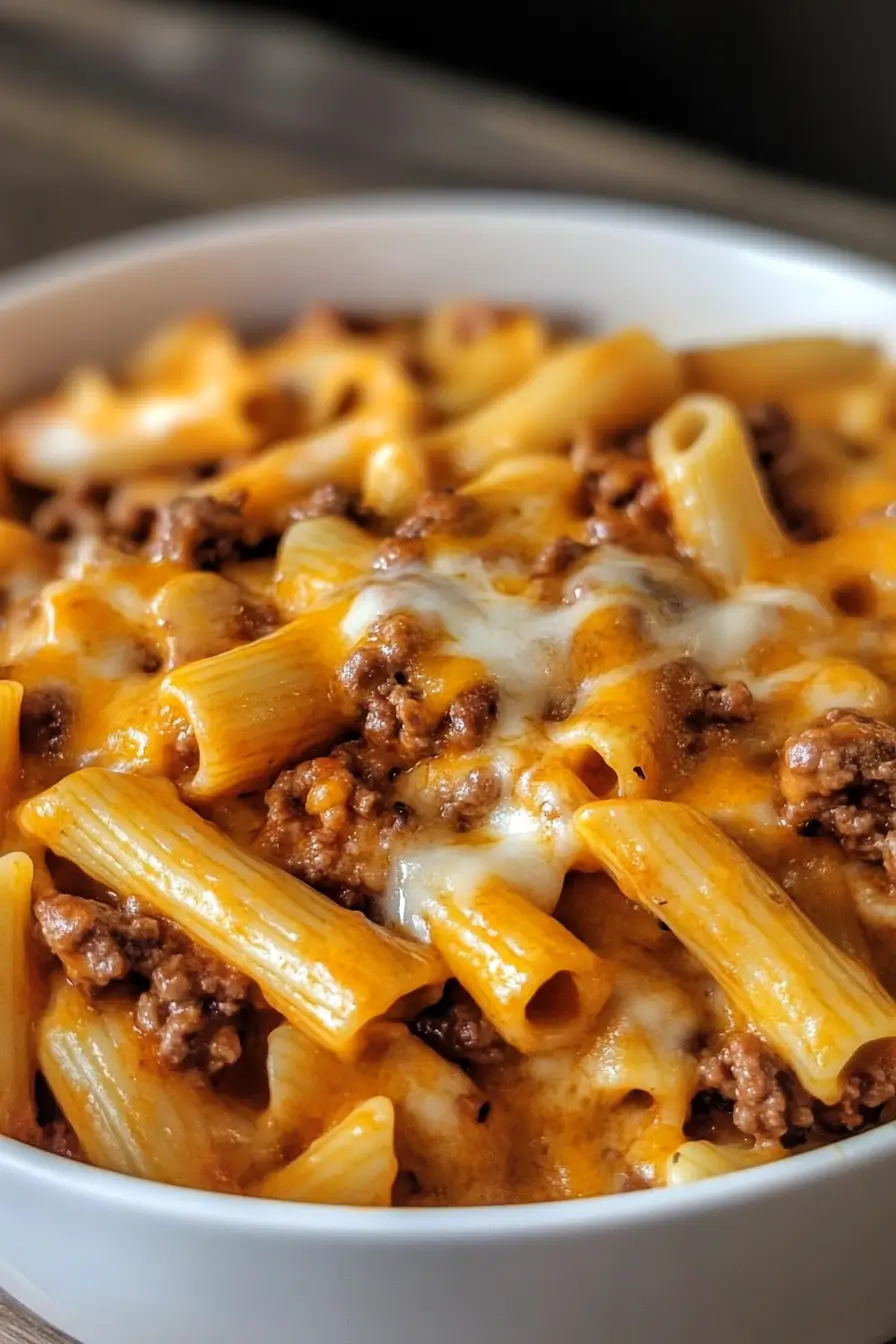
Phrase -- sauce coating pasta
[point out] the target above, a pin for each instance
(447, 762)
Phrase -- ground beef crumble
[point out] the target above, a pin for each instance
(456, 1028)
(838, 777)
(200, 531)
(396, 552)
(467, 801)
(768, 1102)
(777, 453)
(622, 493)
(696, 704)
(558, 557)
(333, 821)
(328, 827)
(391, 714)
(331, 501)
(440, 513)
(191, 1005)
(45, 720)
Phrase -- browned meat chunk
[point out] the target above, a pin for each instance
(331, 501)
(457, 1030)
(96, 943)
(839, 778)
(626, 503)
(769, 1103)
(725, 704)
(471, 716)
(696, 704)
(397, 727)
(45, 721)
(192, 1004)
(778, 455)
(199, 531)
(470, 799)
(557, 557)
(440, 513)
(327, 827)
(393, 717)
(193, 1007)
(864, 1092)
(396, 552)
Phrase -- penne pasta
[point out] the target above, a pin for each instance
(625, 380)
(272, 483)
(17, 1000)
(126, 1115)
(447, 760)
(719, 512)
(317, 557)
(11, 693)
(812, 1002)
(537, 983)
(353, 1163)
(95, 432)
(395, 475)
(253, 708)
(327, 970)
(771, 370)
(697, 1160)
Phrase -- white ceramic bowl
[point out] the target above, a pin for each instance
(797, 1251)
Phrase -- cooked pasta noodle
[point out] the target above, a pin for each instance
(446, 761)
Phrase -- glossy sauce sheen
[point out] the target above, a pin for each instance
(578, 663)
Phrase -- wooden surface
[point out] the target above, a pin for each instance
(118, 113)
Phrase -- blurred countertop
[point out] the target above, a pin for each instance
(120, 113)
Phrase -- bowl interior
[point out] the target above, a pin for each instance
(689, 280)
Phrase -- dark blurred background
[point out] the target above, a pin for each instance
(803, 86)
(118, 113)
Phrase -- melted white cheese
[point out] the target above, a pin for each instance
(524, 645)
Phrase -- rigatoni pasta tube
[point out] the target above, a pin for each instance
(353, 1163)
(627, 379)
(306, 1086)
(315, 558)
(769, 370)
(446, 1132)
(255, 707)
(536, 982)
(11, 693)
(16, 1047)
(719, 513)
(441, 1135)
(815, 1004)
(92, 432)
(326, 969)
(395, 475)
(126, 1114)
(277, 478)
(697, 1160)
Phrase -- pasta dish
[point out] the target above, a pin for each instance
(448, 759)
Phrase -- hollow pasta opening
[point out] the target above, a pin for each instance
(686, 428)
(855, 597)
(555, 1002)
(597, 775)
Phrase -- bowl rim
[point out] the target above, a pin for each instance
(181, 236)
(244, 1213)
